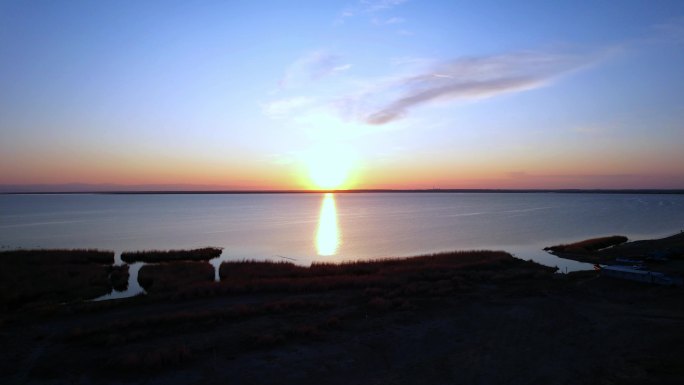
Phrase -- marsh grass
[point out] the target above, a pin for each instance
(371, 286)
(172, 276)
(267, 305)
(279, 307)
(249, 270)
(236, 312)
(589, 245)
(119, 277)
(154, 256)
(434, 274)
(52, 276)
(55, 257)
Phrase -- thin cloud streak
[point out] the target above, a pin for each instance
(312, 67)
(472, 78)
(467, 89)
(382, 100)
(284, 107)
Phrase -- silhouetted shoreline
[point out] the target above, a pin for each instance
(358, 191)
(457, 317)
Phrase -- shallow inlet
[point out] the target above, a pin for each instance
(133, 288)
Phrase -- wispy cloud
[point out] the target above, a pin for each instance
(283, 107)
(470, 78)
(418, 82)
(311, 67)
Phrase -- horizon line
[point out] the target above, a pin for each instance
(355, 191)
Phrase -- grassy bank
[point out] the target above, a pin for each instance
(119, 277)
(154, 256)
(665, 255)
(427, 275)
(430, 270)
(265, 305)
(475, 317)
(56, 257)
(30, 277)
(172, 276)
(588, 245)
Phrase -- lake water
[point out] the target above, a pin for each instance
(327, 227)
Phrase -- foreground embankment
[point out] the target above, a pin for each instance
(460, 317)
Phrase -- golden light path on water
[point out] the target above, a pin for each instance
(328, 235)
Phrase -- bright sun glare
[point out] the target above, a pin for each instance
(329, 166)
(328, 234)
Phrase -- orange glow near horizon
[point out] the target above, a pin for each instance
(330, 166)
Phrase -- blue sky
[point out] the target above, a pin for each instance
(377, 94)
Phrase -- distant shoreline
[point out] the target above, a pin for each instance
(361, 191)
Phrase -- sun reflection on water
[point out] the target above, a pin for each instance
(328, 233)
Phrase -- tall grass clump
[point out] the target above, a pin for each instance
(589, 245)
(119, 277)
(53, 276)
(260, 276)
(154, 256)
(165, 277)
(55, 257)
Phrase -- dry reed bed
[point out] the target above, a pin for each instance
(119, 277)
(55, 257)
(120, 331)
(153, 343)
(589, 245)
(154, 256)
(434, 274)
(266, 304)
(257, 276)
(29, 277)
(171, 276)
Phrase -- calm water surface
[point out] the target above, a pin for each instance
(326, 227)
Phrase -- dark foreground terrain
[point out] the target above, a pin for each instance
(453, 318)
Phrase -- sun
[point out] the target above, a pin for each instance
(329, 166)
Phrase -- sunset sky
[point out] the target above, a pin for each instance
(343, 94)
